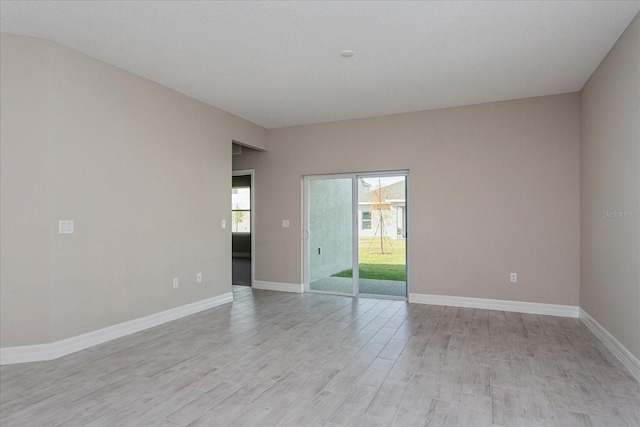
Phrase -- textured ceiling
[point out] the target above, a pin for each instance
(278, 63)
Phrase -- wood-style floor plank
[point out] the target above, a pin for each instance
(281, 359)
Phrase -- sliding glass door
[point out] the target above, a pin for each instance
(355, 234)
(382, 235)
(330, 235)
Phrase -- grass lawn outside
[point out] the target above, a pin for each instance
(390, 265)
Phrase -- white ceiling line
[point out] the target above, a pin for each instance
(279, 63)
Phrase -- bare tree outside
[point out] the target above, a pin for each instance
(237, 217)
(381, 206)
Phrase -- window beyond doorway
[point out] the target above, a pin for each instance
(241, 210)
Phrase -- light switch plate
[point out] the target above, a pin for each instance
(65, 226)
(224, 223)
(285, 223)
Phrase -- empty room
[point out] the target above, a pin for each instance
(320, 213)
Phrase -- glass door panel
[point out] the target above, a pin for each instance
(330, 235)
(382, 258)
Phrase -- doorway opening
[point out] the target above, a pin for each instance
(242, 228)
(356, 234)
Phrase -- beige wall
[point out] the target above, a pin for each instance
(610, 181)
(143, 171)
(493, 189)
(24, 205)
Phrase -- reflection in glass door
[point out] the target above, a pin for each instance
(330, 235)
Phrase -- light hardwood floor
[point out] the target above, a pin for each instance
(305, 359)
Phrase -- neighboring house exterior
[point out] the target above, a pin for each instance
(387, 203)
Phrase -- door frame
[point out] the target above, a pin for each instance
(355, 221)
(252, 173)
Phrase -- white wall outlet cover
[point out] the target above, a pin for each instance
(513, 277)
(175, 282)
(199, 278)
(224, 223)
(65, 226)
(285, 223)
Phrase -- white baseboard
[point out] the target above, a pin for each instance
(275, 286)
(616, 347)
(496, 304)
(50, 351)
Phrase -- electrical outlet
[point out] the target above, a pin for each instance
(513, 277)
(175, 282)
(199, 278)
